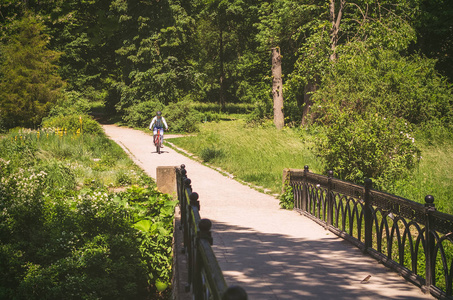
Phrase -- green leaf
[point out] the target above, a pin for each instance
(143, 225)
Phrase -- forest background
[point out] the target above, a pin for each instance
(365, 77)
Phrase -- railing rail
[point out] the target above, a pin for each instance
(205, 278)
(412, 238)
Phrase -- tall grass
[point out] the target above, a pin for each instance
(433, 176)
(258, 155)
(252, 154)
(94, 160)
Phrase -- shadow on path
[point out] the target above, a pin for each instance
(274, 266)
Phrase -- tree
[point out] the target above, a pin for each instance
(283, 25)
(336, 13)
(434, 25)
(29, 85)
(225, 42)
(277, 88)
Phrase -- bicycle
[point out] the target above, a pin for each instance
(158, 141)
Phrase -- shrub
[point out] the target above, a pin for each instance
(73, 103)
(287, 198)
(74, 123)
(434, 132)
(356, 147)
(58, 242)
(141, 114)
(182, 117)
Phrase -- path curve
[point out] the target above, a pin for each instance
(271, 252)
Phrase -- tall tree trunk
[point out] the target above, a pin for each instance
(277, 88)
(222, 73)
(309, 89)
(335, 18)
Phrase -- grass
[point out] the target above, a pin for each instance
(434, 176)
(94, 160)
(256, 155)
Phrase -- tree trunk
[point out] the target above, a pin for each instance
(277, 88)
(335, 18)
(309, 88)
(222, 73)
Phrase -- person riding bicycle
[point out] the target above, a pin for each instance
(158, 123)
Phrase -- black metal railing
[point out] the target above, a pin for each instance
(409, 237)
(205, 278)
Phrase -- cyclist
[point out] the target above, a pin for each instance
(158, 123)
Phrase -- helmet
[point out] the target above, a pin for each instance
(159, 113)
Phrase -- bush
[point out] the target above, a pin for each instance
(434, 132)
(287, 198)
(74, 123)
(141, 114)
(182, 117)
(357, 147)
(58, 242)
(93, 245)
(73, 103)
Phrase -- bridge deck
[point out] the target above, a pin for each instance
(271, 252)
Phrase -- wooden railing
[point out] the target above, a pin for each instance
(205, 278)
(409, 237)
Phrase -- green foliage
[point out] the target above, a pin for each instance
(182, 117)
(369, 102)
(287, 198)
(383, 81)
(433, 22)
(141, 114)
(87, 243)
(73, 123)
(435, 132)
(73, 103)
(154, 220)
(30, 85)
(358, 146)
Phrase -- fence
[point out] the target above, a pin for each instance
(205, 278)
(409, 237)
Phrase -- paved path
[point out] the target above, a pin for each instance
(271, 252)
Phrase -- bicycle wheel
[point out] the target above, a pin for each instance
(158, 143)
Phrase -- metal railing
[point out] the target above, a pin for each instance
(205, 278)
(409, 237)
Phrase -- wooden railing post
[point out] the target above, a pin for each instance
(368, 215)
(430, 243)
